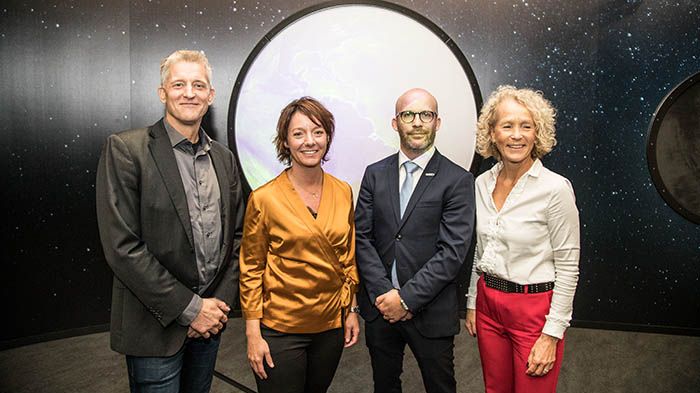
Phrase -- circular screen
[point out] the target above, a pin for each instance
(673, 151)
(356, 59)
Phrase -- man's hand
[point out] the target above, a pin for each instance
(389, 304)
(191, 333)
(470, 322)
(211, 317)
(542, 356)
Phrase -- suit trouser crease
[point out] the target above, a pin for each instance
(387, 342)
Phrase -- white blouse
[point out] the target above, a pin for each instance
(534, 238)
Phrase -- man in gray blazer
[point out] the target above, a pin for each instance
(414, 222)
(170, 214)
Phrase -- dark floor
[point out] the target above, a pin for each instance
(595, 361)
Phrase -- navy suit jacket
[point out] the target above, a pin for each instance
(147, 238)
(429, 243)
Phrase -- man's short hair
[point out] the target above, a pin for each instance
(178, 56)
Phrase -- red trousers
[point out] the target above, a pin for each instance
(507, 326)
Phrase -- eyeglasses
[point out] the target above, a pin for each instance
(409, 116)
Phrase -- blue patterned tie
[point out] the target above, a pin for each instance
(407, 186)
(404, 196)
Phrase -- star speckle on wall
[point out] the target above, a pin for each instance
(74, 72)
(606, 68)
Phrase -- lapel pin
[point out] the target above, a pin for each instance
(430, 174)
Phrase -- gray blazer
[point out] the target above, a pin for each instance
(429, 242)
(146, 235)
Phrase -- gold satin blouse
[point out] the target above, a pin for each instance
(297, 272)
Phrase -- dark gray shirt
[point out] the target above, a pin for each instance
(204, 205)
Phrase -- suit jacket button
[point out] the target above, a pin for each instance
(398, 237)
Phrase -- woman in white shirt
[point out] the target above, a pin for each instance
(526, 262)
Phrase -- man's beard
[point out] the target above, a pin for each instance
(428, 142)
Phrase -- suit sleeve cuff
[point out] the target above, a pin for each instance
(386, 288)
(191, 311)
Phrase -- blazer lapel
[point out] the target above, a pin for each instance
(164, 158)
(393, 176)
(429, 173)
(218, 160)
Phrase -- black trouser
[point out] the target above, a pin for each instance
(435, 356)
(304, 363)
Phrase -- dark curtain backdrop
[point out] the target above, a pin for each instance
(72, 72)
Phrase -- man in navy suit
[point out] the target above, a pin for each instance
(414, 222)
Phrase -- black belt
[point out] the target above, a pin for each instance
(512, 287)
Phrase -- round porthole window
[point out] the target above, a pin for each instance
(356, 58)
(673, 150)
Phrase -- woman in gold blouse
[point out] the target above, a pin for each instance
(298, 272)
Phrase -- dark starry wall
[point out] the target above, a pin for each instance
(72, 72)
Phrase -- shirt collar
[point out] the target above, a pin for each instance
(422, 160)
(176, 138)
(534, 170)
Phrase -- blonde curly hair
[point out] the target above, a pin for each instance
(542, 111)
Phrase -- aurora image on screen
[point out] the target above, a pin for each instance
(355, 59)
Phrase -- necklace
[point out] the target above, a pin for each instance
(314, 195)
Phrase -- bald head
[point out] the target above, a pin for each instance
(418, 134)
(415, 94)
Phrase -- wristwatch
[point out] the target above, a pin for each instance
(355, 309)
